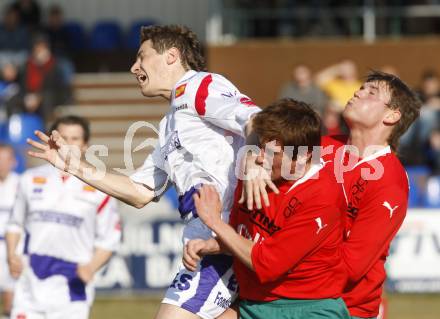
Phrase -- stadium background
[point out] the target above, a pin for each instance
(255, 44)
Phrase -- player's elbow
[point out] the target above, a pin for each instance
(140, 197)
(136, 200)
(139, 202)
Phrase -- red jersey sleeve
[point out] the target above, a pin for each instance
(301, 234)
(378, 221)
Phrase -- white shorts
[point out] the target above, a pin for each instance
(75, 310)
(207, 292)
(40, 294)
(211, 289)
(6, 281)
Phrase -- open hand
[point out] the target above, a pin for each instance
(56, 151)
(255, 183)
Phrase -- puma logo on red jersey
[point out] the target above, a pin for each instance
(388, 206)
(320, 226)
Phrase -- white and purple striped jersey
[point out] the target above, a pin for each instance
(65, 220)
(199, 138)
(8, 191)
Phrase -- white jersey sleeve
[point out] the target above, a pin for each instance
(108, 225)
(151, 175)
(19, 212)
(219, 102)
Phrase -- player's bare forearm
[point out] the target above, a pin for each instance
(87, 271)
(14, 261)
(65, 157)
(237, 245)
(12, 240)
(118, 186)
(100, 258)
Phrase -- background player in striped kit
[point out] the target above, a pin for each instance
(73, 230)
(8, 189)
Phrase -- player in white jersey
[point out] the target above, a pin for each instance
(198, 141)
(8, 190)
(72, 231)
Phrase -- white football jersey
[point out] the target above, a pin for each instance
(199, 137)
(8, 191)
(65, 219)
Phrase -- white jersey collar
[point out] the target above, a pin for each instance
(314, 169)
(185, 77)
(384, 151)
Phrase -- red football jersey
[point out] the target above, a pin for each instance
(298, 240)
(376, 190)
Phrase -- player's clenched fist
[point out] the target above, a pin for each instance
(15, 265)
(195, 249)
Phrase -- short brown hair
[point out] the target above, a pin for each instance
(401, 98)
(180, 37)
(290, 122)
(73, 120)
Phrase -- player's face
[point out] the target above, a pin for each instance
(369, 105)
(271, 157)
(150, 70)
(7, 162)
(73, 134)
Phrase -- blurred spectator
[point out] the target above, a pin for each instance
(412, 143)
(13, 36)
(9, 87)
(43, 83)
(332, 121)
(429, 117)
(433, 151)
(57, 34)
(302, 88)
(29, 12)
(430, 85)
(339, 81)
(59, 40)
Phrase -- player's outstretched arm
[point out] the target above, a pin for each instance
(65, 157)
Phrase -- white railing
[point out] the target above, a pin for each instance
(226, 23)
